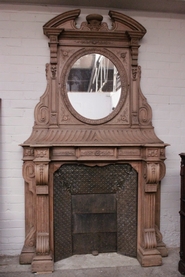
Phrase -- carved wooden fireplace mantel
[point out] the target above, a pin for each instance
(90, 66)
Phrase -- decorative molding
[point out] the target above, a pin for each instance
(43, 189)
(97, 152)
(94, 42)
(129, 152)
(28, 154)
(42, 153)
(153, 152)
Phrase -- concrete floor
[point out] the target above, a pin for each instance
(103, 265)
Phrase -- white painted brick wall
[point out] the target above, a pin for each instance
(23, 55)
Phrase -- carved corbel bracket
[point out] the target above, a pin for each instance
(153, 177)
(41, 173)
(135, 37)
(41, 166)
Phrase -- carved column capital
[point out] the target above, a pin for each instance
(52, 34)
(134, 44)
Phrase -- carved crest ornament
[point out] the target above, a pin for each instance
(64, 134)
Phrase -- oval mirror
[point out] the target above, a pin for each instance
(93, 86)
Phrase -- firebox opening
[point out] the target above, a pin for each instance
(95, 210)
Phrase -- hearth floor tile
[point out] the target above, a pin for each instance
(90, 261)
(103, 265)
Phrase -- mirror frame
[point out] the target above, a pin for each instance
(123, 79)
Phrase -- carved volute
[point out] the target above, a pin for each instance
(92, 65)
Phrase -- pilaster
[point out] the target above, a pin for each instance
(42, 261)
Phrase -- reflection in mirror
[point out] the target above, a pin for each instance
(93, 86)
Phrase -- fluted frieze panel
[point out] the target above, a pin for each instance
(77, 136)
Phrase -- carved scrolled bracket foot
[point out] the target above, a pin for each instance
(42, 261)
(149, 254)
(161, 246)
(27, 255)
(28, 250)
